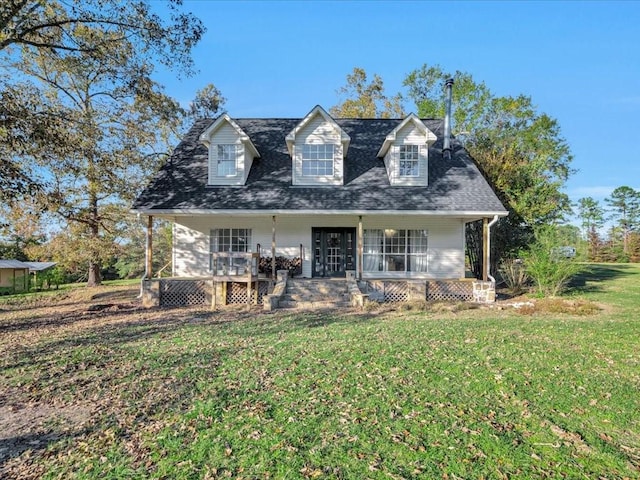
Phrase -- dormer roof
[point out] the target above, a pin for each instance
(317, 110)
(205, 137)
(430, 137)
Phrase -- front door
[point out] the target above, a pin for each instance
(334, 251)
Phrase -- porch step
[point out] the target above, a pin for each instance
(315, 294)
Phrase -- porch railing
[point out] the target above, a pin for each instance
(235, 264)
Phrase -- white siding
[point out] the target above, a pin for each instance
(318, 131)
(191, 240)
(190, 251)
(227, 135)
(408, 135)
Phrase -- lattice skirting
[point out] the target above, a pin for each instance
(450, 291)
(237, 292)
(392, 291)
(181, 293)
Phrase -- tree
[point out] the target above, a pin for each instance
(20, 229)
(207, 103)
(625, 202)
(544, 262)
(366, 100)
(131, 255)
(108, 144)
(94, 28)
(592, 217)
(519, 150)
(53, 25)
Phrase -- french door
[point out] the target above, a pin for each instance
(333, 251)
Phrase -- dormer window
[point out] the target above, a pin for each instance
(409, 164)
(405, 152)
(226, 160)
(317, 160)
(230, 152)
(318, 147)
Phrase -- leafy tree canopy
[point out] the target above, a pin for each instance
(54, 25)
(126, 36)
(520, 150)
(366, 100)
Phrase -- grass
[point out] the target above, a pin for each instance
(184, 394)
(52, 294)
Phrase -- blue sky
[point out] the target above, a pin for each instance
(578, 61)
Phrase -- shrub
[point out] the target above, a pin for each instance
(514, 275)
(550, 272)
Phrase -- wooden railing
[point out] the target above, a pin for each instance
(235, 264)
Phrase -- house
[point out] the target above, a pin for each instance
(14, 276)
(373, 198)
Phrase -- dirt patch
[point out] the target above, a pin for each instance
(34, 425)
(66, 401)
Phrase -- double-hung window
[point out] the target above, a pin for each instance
(395, 250)
(230, 240)
(409, 158)
(226, 160)
(317, 160)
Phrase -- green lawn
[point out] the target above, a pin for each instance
(483, 393)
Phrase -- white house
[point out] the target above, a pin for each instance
(379, 197)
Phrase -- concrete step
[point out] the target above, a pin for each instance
(293, 305)
(302, 297)
(316, 294)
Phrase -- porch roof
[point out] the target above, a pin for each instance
(455, 184)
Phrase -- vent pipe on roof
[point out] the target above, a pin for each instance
(446, 148)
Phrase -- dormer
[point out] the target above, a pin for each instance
(406, 153)
(231, 152)
(318, 147)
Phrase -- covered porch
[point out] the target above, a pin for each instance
(324, 245)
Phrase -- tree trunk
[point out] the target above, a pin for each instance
(94, 275)
(93, 278)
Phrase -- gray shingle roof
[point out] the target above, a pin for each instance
(39, 266)
(13, 264)
(455, 184)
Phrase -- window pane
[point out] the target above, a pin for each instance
(372, 263)
(395, 263)
(409, 156)
(417, 242)
(226, 160)
(317, 160)
(394, 241)
(231, 240)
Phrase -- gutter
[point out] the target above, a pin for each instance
(146, 273)
(489, 225)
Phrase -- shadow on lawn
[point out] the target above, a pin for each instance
(591, 278)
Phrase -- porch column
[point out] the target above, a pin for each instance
(485, 249)
(149, 246)
(360, 247)
(273, 248)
